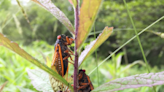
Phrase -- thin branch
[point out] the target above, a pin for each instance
(76, 11)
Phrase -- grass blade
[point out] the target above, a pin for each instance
(139, 42)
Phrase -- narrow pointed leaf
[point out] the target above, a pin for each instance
(132, 64)
(135, 81)
(48, 5)
(15, 48)
(119, 59)
(95, 44)
(88, 13)
(2, 86)
(40, 80)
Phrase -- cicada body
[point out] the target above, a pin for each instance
(61, 54)
(60, 61)
(85, 84)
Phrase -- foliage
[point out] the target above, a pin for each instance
(108, 72)
(45, 26)
(113, 12)
(57, 13)
(25, 82)
(13, 68)
(15, 48)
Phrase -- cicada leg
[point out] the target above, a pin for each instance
(68, 57)
(71, 52)
(68, 50)
(69, 40)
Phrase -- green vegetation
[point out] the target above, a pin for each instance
(39, 36)
(13, 67)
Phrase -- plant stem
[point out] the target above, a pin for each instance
(76, 11)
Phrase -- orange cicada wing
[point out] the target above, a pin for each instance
(61, 54)
(57, 62)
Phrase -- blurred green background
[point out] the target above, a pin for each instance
(38, 38)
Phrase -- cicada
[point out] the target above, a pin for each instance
(61, 54)
(84, 82)
(60, 60)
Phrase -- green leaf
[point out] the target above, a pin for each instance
(48, 5)
(21, 89)
(119, 59)
(135, 81)
(88, 12)
(40, 80)
(95, 44)
(2, 86)
(132, 64)
(15, 48)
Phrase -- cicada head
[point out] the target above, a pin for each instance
(81, 74)
(85, 84)
(65, 39)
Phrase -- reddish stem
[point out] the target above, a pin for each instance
(76, 12)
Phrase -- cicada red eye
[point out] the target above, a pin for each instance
(59, 37)
(83, 70)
